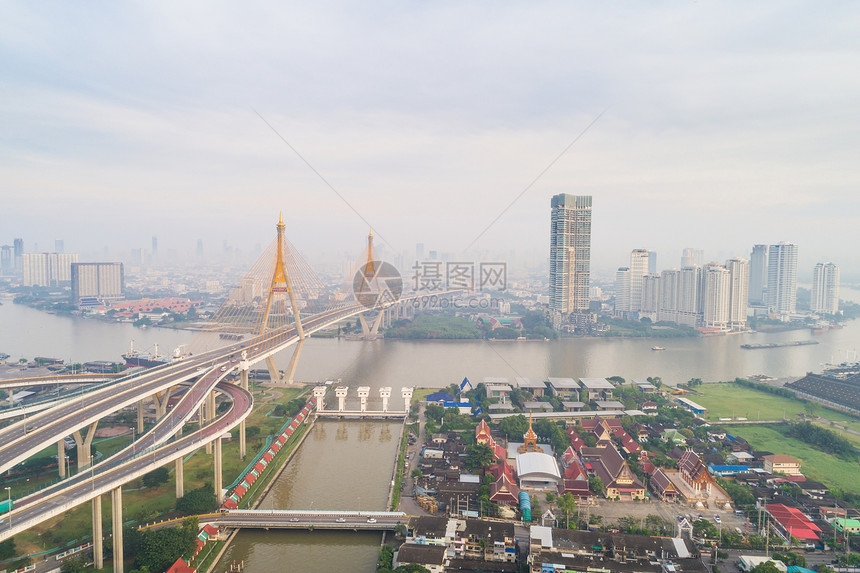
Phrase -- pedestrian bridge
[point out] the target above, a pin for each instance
(290, 519)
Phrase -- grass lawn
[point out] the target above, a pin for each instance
(815, 464)
(421, 394)
(732, 400)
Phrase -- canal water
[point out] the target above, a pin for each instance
(340, 466)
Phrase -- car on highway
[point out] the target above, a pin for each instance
(294, 519)
(340, 520)
(371, 520)
(223, 369)
(717, 518)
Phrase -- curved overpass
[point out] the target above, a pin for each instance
(208, 370)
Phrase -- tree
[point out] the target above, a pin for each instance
(200, 500)
(78, 565)
(8, 549)
(767, 567)
(411, 568)
(514, 426)
(160, 548)
(156, 477)
(595, 485)
(252, 431)
(567, 504)
(479, 457)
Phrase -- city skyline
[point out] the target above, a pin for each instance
(138, 124)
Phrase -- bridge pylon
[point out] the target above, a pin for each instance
(281, 284)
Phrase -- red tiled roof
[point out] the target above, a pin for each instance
(793, 521)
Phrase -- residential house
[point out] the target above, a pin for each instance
(536, 388)
(782, 464)
(431, 557)
(597, 388)
(564, 388)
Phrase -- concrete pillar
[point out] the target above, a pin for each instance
(363, 393)
(139, 417)
(242, 441)
(85, 445)
(319, 396)
(61, 458)
(407, 398)
(340, 392)
(11, 392)
(290, 374)
(180, 478)
(98, 549)
(385, 394)
(219, 484)
(210, 414)
(116, 504)
(202, 416)
(161, 399)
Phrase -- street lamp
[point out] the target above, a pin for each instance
(9, 497)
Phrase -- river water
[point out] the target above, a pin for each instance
(348, 465)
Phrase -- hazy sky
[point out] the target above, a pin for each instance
(725, 124)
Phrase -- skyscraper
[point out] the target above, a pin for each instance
(570, 253)
(825, 288)
(782, 279)
(47, 269)
(18, 253)
(97, 281)
(622, 291)
(652, 262)
(758, 274)
(670, 284)
(738, 292)
(59, 246)
(715, 307)
(690, 295)
(638, 270)
(650, 305)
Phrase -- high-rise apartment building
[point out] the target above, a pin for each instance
(715, 304)
(650, 305)
(638, 270)
(18, 253)
(7, 265)
(97, 282)
(782, 279)
(738, 292)
(825, 288)
(690, 296)
(758, 275)
(622, 291)
(570, 253)
(47, 269)
(670, 282)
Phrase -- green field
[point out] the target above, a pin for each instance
(732, 400)
(815, 464)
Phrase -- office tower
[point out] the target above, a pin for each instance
(715, 307)
(650, 305)
(7, 265)
(434, 255)
(199, 247)
(570, 253)
(638, 270)
(825, 288)
(154, 247)
(692, 257)
(758, 274)
(622, 291)
(738, 292)
(670, 283)
(96, 282)
(18, 253)
(419, 252)
(47, 269)
(690, 296)
(782, 279)
(59, 246)
(652, 262)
